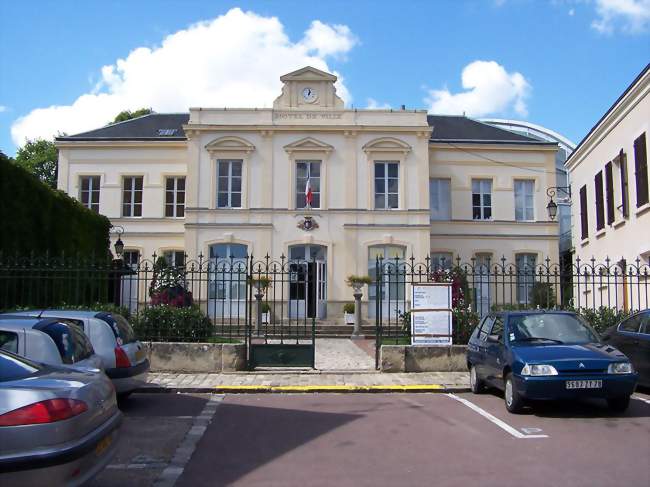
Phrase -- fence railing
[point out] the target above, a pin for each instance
(222, 291)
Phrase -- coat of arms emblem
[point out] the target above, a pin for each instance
(307, 223)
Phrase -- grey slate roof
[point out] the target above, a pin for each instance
(446, 128)
(141, 128)
(455, 128)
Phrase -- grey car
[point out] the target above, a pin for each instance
(48, 340)
(58, 425)
(114, 341)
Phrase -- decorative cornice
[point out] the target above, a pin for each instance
(308, 144)
(387, 144)
(230, 143)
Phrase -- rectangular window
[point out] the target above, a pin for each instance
(441, 260)
(600, 205)
(89, 192)
(525, 276)
(481, 199)
(386, 185)
(174, 258)
(229, 183)
(584, 219)
(307, 171)
(524, 194)
(440, 199)
(641, 171)
(175, 197)
(609, 192)
(132, 196)
(131, 258)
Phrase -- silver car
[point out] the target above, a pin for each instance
(113, 339)
(48, 340)
(58, 425)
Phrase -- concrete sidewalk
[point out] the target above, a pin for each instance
(307, 381)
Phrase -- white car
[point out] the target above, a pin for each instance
(113, 339)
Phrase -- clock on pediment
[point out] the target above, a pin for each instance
(308, 87)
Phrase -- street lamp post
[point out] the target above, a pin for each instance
(551, 207)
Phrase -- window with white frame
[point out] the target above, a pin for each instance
(228, 279)
(308, 182)
(229, 176)
(524, 200)
(440, 199)
(131, 258)
(386, 185)
(481, 199)
(174, 258)
(89, 192)
(441, 260)
(175, 196)
(132, 196)
(525, 276)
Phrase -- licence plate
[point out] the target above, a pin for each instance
(584, 384)
(102, 445)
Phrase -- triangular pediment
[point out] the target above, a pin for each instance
(230, 143)
(308, 144)
(387, 144)
(308, 73)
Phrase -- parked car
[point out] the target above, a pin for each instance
(632, 337)
(58, 425)
(114, 341)
(542, 355)
(48, 340)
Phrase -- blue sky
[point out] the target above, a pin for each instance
(559, 63)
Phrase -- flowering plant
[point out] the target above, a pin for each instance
(169, 286)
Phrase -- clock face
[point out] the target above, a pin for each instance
(309, 95)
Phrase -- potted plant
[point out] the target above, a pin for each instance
(348, 313)
(260, 283)
(266, 313)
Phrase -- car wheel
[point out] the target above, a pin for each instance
(475, 382)
(514, 401)
(618, 404)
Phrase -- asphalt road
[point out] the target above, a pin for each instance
(379, 439)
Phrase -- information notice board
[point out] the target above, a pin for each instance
(431, 320)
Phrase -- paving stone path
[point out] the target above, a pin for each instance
(341, 354)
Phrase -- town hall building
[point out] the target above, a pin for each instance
(313, 180)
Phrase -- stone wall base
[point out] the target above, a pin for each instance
(408, 358)
(196, 357)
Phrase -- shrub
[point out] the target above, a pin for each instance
(464, 321)
(603, 317)
(353, 280)
(542, 295)
(266, 307)
(460, 295)
(168, 286)
(348, 308)
(165, 323)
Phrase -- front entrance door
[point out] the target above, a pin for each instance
(308, 281)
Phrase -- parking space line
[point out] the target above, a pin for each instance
(638, 398)
(504, 426)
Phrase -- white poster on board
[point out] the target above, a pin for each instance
(427, 297)
(431, 328)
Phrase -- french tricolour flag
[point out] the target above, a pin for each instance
(309, 196)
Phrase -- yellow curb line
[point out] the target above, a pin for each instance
(332, 388)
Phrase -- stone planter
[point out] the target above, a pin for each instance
(349, 318)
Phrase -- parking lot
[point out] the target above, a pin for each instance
(376, 439)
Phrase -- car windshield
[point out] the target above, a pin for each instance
(549, 328)
(13, 367)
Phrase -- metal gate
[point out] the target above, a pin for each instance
(277, 333)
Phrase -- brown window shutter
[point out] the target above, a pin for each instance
(584, 221)
(609, 192)
(641, 171)
(622, 162)
(600, 208)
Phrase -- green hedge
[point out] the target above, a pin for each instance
(170, 324)
(37, 219)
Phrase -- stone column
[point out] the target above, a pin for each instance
(356, 333)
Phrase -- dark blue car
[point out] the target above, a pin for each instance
(542, 355)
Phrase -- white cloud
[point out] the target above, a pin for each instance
(234, 60)
(631, 16)
(489, 90)
(572, 12)
(373, 104)
(3, 108)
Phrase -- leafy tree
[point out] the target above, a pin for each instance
(41, 158)
(5, 158)
(128, 114)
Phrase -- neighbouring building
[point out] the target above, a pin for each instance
(565, 149)
(609, 185)
(229, 182)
